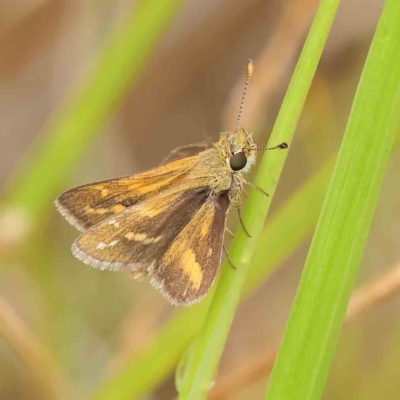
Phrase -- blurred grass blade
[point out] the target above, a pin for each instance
(208, 345)
(66, 137)
(332, 263)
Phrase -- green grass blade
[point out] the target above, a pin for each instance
(207, 348)
(295, 221)
(67, 135)
(332, 263)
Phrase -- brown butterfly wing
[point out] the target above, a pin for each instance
(176, 237)
(187, 270)
(87, 205)
(134, 239)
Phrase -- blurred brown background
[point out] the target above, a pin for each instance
(89, 319)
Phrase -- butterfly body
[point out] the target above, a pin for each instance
(168, 222)
(213, 164)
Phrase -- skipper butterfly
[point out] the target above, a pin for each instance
(168, 222)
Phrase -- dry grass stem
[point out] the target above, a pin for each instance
(273, 62)
(34, 354)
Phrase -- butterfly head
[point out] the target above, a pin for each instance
(241, 154)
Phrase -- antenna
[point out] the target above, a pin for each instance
(250, 69)
(283, 145)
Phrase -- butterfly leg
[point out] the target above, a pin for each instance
(257, 187)
(245, 192)
(227, 257)
(230, 232)
(139, 275)
(241, 222)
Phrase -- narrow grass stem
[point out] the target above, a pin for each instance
(204, 354)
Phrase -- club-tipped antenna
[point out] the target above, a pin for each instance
(283, 145)
(250, 69)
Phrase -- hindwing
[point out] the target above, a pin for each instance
(187, 270)
(176, 237)
(135, 238)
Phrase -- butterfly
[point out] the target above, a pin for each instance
(167, 222)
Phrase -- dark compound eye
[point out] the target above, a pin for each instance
(238, 161)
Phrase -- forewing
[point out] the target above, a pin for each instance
(134, 239)
(186, 271)
(87, 205)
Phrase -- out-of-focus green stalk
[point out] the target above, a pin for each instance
(67, 135)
